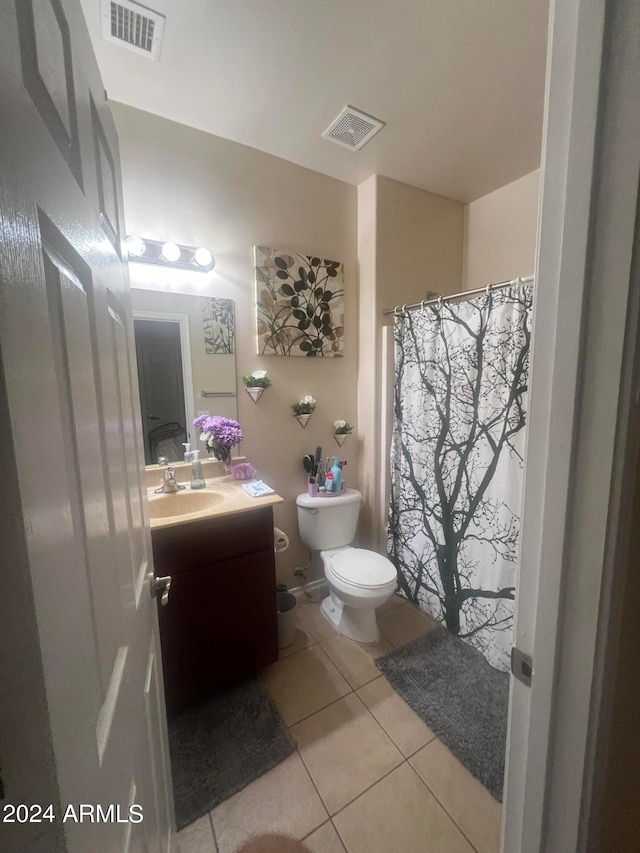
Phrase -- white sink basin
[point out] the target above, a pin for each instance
(187, 502)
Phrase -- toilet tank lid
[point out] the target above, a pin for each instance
(349, 496)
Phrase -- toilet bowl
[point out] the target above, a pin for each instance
(359, 580)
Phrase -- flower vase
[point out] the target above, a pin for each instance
(303, 420)
(254, 392)
(341, 437)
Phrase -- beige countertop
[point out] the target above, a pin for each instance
(227, 498)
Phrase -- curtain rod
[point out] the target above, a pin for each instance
(466, 294)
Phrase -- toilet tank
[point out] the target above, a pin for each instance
(328, 522)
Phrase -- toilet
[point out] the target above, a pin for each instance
(359, 580)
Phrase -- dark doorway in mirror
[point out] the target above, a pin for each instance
(158, 351)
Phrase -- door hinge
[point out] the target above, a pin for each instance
(521, 666)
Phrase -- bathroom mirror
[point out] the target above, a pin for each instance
(185, 347)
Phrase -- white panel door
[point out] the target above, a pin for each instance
(79, 532)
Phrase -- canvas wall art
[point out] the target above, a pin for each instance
(300, 304)
(218, 321)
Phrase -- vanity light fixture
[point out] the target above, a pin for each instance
(169, 254)
(203, 258)
(135, 246)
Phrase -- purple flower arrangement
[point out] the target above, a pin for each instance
(220, 435)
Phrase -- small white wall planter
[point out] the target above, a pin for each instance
(303, 410)
(341, 431)
(256, 383)
(254, 392)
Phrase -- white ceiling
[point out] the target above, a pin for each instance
(459, 83)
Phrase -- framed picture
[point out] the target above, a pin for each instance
(218, 322)
(299, 304)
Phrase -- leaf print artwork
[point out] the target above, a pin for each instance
(219, 325)
(299, 304)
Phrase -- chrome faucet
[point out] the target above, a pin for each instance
(168, 483)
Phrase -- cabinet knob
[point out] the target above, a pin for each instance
(160, 587)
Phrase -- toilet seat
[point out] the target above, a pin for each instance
(361, 568)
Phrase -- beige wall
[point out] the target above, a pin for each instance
(409, 242)
(500, 233)
(198, 189)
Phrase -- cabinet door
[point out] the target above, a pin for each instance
(219, 626)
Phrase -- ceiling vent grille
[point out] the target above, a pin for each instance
(132, 26)
(352, 129)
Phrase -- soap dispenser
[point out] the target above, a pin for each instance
(187, 451)
(197, 476)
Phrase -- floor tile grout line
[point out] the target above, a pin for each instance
(324, 805)
(426, 743)
(297, 652)
(364, 683)
(397, 748)
(324, 823)
(442, 806)
(340, 838)
(355, 690)
(379, 722)
(319, 643)
(372, 785)
(375, 719)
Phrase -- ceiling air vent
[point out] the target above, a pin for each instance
(352, 128)
(133, 26)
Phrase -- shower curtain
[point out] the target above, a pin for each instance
(457, 462)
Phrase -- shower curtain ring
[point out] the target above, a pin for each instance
(488, 289)
(404, 309)
(439, 303)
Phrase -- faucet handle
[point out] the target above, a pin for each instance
(169, 483)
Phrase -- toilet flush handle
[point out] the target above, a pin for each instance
(310, 510)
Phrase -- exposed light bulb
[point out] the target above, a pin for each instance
(135, 246)
(171, 252)
(203, 257)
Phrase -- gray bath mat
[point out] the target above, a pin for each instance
(461, 697)
(220, 746)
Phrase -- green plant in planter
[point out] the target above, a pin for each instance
(342, 428)
(306, 406)
(257, 379)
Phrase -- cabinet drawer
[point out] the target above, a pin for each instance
(212, 540)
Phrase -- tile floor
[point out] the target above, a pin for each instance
(368, 775)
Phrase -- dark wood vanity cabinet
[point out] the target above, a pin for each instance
(220, 623)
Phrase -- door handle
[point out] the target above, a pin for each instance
(160, 588)
(153, 418)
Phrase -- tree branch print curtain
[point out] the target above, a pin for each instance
(457, 462)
